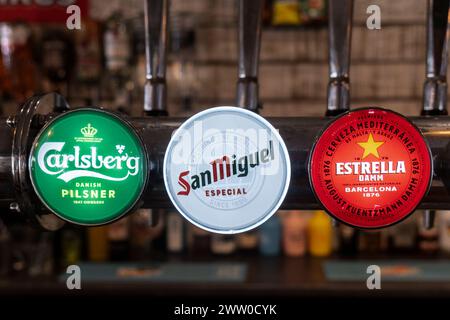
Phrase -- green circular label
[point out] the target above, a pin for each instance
(88, 166)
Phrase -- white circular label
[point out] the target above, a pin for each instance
(227, 170)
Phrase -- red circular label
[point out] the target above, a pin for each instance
(370, 168)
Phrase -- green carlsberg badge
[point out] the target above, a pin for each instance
(88, 166)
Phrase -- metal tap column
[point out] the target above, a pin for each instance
(339, 39)
(250, 21)
(156, 25)
(435, 86)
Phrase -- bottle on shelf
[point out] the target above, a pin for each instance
(159, 233)
(18, 70)
(313, 12)
(5, 250)
(267, 13)
(176, 233)
(23, 238)
(119, 240)
(270, 237)
(117, 56)
(285, 13)
(223, 244)
(29, 252)
(116, 43)
(98, 250)
(140, 234)
(247, 242)
(427, 239)
(41, 261)
(71, 245)
(88, 56)
(402, 236)
(295, 233)
(370, 242)
(320, 235)
(181, 69)
(348, 240)
(444, 230)
(199, 241)
(57, 59)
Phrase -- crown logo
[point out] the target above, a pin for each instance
(88, 131)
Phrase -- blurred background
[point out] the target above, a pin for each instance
(388, 65)
(103, 64)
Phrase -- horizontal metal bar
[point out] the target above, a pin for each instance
(299, 134)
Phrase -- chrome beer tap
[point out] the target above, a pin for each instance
(339, 39)
(339, 45)
(250, 21)
(435, 86)
(156, 26)
(155, 89)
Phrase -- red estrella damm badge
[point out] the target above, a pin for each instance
(370, 168)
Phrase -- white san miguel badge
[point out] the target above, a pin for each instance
(227, 170)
